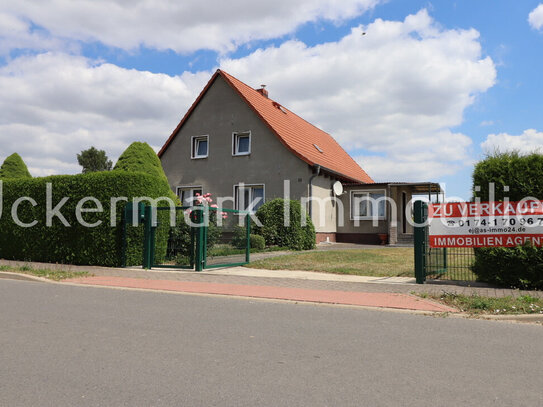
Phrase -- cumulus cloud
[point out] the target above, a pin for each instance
(55, 105)
(182, 26)
(396, 90)
(529, 141)
(390, 97)
(535, 18)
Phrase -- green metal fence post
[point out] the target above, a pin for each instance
(420, 273)
(147, 236)
(248, 248)
(199, 261)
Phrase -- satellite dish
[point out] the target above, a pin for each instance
(337, 187)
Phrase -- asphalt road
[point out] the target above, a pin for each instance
(84, 346)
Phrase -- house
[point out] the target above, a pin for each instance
(237, 142)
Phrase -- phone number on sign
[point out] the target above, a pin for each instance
(524, 221)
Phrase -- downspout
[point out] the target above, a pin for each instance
(318, 169)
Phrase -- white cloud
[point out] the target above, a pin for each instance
(182, 26)
(390, 97)
(55, 105)
(535, 18)
(396, 90)
(529, 141)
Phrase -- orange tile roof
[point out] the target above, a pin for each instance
(298, 135)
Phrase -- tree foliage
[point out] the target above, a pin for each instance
(94, 160)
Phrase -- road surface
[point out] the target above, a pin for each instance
(84, 346)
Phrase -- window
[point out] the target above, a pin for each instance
(249, 197)
(187, 194)
(200, 147)
(368, 204)
(241, 143)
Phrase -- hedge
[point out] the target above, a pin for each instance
(14, 168)
(140, 157)
(275, 233)
(520, 267)
(76, 244)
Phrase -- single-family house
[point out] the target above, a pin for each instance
(236, 141)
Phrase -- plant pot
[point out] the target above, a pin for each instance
(383, 237)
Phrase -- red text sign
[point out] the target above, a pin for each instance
(485, 224)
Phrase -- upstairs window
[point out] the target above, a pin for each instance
(187, 195)
(200, 147)
(241, 143)
(249, 197)
(367, 205)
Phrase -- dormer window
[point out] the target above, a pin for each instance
(241, 143)
(200, 147)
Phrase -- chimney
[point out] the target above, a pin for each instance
(263, 91)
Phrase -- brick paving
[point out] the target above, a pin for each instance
(382, 300)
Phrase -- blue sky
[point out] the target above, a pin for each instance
(423, 95)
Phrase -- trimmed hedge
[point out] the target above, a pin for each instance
(140, 157)
(14, 168)
(520, 267)
(100, 245)
(295, 236)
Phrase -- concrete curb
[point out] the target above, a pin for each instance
(23, 277)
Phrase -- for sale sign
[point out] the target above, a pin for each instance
(485, 224)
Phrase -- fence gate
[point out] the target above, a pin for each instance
(452, 263)
(197, 237)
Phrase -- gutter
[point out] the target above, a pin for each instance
(318, 169)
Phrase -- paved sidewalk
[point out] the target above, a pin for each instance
(383, 300)
(394, 292)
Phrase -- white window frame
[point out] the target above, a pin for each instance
(235, 136)
(236, 198)
(194, 149)
(191, 188)
(368, 192)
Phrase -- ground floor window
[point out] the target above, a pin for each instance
(368, 205)
(249, 197)
(187, 194)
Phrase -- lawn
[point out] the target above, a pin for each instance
(477, 305)
(381, 262)
(55, 275)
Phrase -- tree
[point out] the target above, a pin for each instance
(93, 160)
(14, 167)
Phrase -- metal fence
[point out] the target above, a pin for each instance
(196, 237)
(452, 263)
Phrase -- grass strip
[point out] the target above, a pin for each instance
(478, 305)
(55, 275)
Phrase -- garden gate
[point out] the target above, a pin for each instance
(452, 263)
(197, 237)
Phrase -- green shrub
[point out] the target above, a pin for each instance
(519, 267)
(295, 236)
(522, 266)
(257, 242)
(239, 240)
(140, 157)
(14, 168)
(180, 241)
(100, 245)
